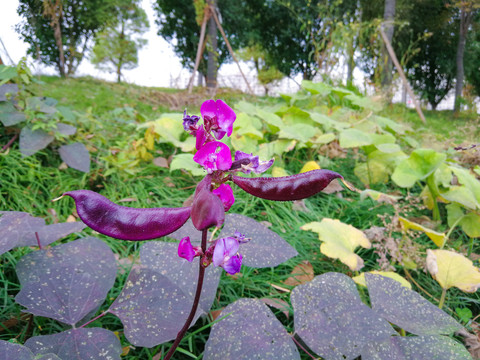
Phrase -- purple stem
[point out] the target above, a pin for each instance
(302, 347)
(95, 318)
(196, 300)
(5, 147)
(38, 241)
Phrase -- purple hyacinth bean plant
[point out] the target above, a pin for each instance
(212, 199)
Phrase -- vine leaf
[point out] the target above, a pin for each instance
(452, 269)
(360, 279)
(32, 141)
(76, 156)
(68, 281)
(416, 348)
(151, 307)
(10, 116)
(438, 238)
(418, 166)
(19, 352)
(339, 241)
(78, 344)
(332, 320)
(19, 228)
(249, 331)
(65, 129)
(265, 249)
(163, 258)
(407, 309)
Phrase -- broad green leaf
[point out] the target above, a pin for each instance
(279, 172)
(389, 124)
(451, 269)
(294, 115)
(244, 143)
(351, 138)
(471, 224)
(364, 102)
(246, 107)
(248, 125)
(185, 162)
(309, 166)
(360, 279)
(300, 132)
(443, 176)
(461, 195)
(324, 138)
(387, 139)
(388, 148)
(339, 241)
(316, 88)
(454, 212)
(327, 122)
(466, 178)
(268, 150)
(418, 166)
(167, 128)
(438, 238)
(372, 172)
(270, 118)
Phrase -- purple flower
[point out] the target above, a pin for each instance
(254, 164)
(187, 251)
(226, 255)
(190, 122)
(218, 117)
(214, 156)
(225, 193)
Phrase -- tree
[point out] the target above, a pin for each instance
(60, 31)
(389, 18)
(116, 48)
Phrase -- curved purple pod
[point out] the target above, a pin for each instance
(287, 188)
(207, 208)
(125, 223)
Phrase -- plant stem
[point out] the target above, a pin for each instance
(196, 300)
(95, 318)
(302, 347)
(442, 298)
(454, 225)
(433, 191)
(38, 241)
(5, 147)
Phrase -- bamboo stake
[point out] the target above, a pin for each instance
(200, 48)
(402, 74)
(230, 48)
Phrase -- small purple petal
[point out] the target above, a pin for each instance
(255, 164)
(214, 156)
(224, 114)
(190, 122)
(232, 266)
(201, 137)
(185, 249)
(263, 166)
(225, 193)
(225, 249)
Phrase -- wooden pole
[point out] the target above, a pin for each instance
(402, 74)
(200, 48)
(230, 49)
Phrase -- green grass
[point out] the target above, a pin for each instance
(29, 184)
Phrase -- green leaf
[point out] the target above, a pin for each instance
(372, 172)
(364, 102)
(246, 107)
(268, 150)
(270, 118)
(461, 195)
(471, 224)
(389, 124)
(418, 166)
(351, 138)
(247, 125)
(300, 132)
(324, 138)
(244, 143)
(185, 162)
(466, 178)
(316, 88)
(294, 115)
(327, 122)
(388, 148)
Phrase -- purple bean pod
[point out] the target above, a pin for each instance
(207, 208)
(287, 188)
(125, 223)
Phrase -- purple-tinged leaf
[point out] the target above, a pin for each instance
(67, 281)
(78, 344)
(18, 229)
(11, 89)
(188, 230)
(151, 307)
(33, 141)
(250, 331)
(10, 351)
(415, 348)
(43, 105)
(407, 309)
(10, 116)
(332, 320)
(163, 258)
(76, 156)
(66, 129)
(265, 249)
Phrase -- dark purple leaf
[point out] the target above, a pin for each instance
(250, 331)
(407, 309)
(76, 156)
(9, 351)
(66, 129)
(67, 281)
(266, 249)
(43, 105)
(11, 89)
(151, 307)
(188, 230)
(163, 258)
(18, 229)
(33, 141)
(416, 348)
(10, 116)
(332, 320)
(78, 344)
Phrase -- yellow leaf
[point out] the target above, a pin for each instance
(309, 166)
(453, 269)
(340, 241)
(438, 238)
(360, 279)
(278, 172)
(379, 196)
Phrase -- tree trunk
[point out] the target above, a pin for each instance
(386, 74)
(55, 13)
(465, 19)
(1, 61)
(212, 49)
(350, 62)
